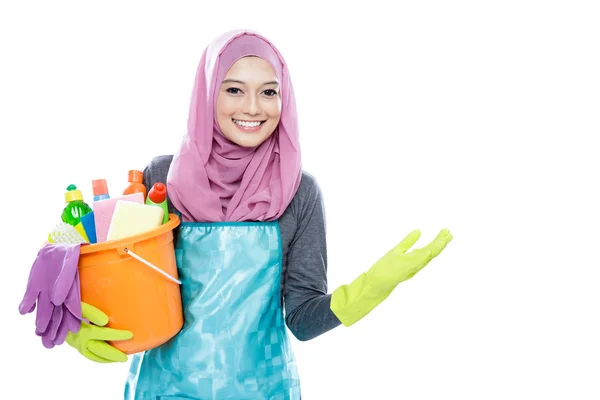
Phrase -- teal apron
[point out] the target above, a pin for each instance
(233, 344)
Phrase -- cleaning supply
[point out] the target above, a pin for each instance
(81, 230)
(134, 296)
(100, 189)
(103, 213)
(130, 219)
(136, 183)
(53, 288)
(157, 196)
(66, 234)
(75, 208)
(352, 302)
(90, 339)
(87, 221)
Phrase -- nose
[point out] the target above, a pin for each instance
(251, 105)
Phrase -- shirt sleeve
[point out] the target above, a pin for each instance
(307, 304)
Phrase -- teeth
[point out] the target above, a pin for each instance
(247, 124)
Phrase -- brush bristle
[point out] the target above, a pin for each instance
(66, 234)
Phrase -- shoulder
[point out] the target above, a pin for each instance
(309, 187)
(307, 197)
(157, 169)
(308, 183)
(159, 163)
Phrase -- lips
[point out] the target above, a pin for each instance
(247, 124)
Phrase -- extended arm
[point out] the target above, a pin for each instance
(310, 311)
(307, 304)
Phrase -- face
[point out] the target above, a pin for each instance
(248, 103)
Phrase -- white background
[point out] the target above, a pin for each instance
(477, 116)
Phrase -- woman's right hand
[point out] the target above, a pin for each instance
(90, 341)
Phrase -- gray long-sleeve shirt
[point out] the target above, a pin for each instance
(304, 276)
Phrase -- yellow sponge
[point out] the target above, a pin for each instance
(131, 218)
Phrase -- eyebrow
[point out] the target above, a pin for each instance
(243, 83)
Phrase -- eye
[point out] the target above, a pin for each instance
(233, 90)
(270, 92)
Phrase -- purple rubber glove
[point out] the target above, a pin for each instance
(65, 318)
(73, 300)
(72, 318)
(69, 323)
(45, 310)
(50, 334)
(53, 286)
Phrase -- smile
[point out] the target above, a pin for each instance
(248, 124)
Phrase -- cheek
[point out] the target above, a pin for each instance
(223, 115)
(273, 109)
(225, 107)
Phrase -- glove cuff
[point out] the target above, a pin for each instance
(350, 303)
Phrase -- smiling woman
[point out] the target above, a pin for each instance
(252, 240)
(248, 105)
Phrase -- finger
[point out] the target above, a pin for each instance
(50, 333)
(106, 351)
(73, 302)
(69, 323)
(47, 342)
(29, 301)
(88, 354)
(74, 323)
(94, 315)
(439, 243)
(444, 233)
(408, 241)
(62, 332)
(57, 317)
(43, 316)
(102, 333)
(420, 257)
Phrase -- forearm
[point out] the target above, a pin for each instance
(313, 318)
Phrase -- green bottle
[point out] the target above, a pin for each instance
(75, 208)
(157, 196)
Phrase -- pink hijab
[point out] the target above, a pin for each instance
(212, 179)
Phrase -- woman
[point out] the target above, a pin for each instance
(251, 242)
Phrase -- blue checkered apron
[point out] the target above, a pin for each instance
(233, 344)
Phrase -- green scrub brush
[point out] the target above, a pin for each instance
(65, 233)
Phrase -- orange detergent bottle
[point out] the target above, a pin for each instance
(136, 183)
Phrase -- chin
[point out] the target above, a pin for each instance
(248, 142)
(246, 139)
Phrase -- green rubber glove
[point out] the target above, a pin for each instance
(90, 340)
(352, 302)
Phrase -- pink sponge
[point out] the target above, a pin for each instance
(103, 213)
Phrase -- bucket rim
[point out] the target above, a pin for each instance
(112, 244)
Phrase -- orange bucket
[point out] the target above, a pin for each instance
(133, 295)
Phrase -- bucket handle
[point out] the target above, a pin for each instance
(154, 267)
